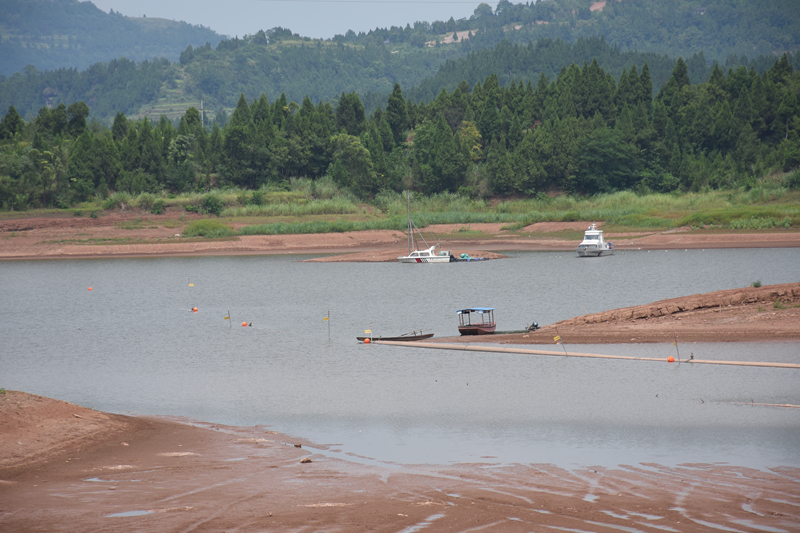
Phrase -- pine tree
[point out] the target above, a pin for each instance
(723, 131)
(397, 114)
(659, 119)
(12, 124)
(646, 87)
(681, 73)
(77, 118)
(788, 110)
(489, 124)
(717, 77)
(241, 115)
(120, 127)
(79, 170)
(387, 137)
(376, 152)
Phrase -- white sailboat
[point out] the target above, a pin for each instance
(425, 255)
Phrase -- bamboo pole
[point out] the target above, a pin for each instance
(525, 351)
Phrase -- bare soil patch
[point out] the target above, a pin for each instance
(152, 474)
(597, 6)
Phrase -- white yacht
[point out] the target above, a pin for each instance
(593, 244)
(427, 255)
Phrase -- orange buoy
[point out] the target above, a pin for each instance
(670, 359)
(244, 323)
(366, 341)
(90, 288)
(194, 309)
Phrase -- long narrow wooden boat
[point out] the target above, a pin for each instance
(404, 337)
(476, 321)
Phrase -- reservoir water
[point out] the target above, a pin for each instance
(132, 345)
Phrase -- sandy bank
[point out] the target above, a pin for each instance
(137, 234)
(118, 473)
(749, 314)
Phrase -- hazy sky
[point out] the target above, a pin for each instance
(309, 18)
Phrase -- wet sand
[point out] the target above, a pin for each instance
(67, 468)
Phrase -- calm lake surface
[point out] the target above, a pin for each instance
(131, 345)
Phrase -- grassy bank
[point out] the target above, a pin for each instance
(305, 206)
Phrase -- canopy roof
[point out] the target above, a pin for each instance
(475, 310)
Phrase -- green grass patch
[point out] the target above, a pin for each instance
(211, 229)
(737, 216)
(136, 223)
(333, 206)
(760, 223)
(324, 226)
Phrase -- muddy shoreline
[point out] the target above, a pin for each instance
(132, 234)
(67, 468)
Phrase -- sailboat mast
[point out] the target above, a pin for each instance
(408, 198)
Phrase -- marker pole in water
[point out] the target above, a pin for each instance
(230, 323)
(676, 349)
(558, 335)
(328, 320)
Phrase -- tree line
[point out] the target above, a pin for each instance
(582, 131)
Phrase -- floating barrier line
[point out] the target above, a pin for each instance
(792, 406)
(494, 349)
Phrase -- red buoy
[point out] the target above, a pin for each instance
(366, 341)
(670, 359)
(244, 323)
(194, 309)
(90, 288)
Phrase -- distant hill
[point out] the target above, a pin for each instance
(54, 34)
(423, 58)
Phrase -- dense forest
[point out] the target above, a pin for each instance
(720, 28)
(423, 58)
(70, 34)
(582, 132)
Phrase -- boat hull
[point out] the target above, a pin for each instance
(401, 338)
(585, 251)
(477, 329)
(433, 259)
